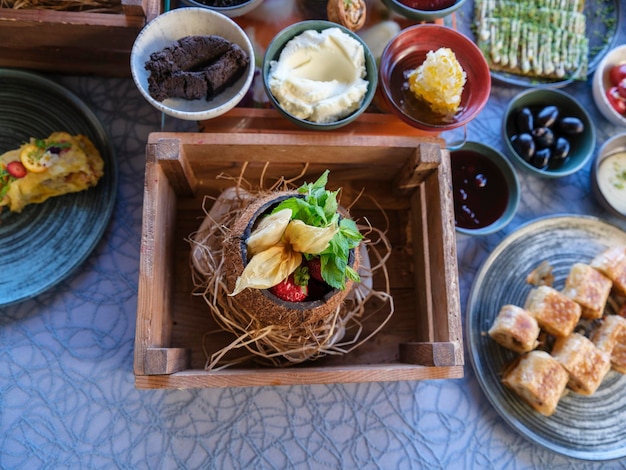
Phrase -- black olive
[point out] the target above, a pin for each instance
(547, 116)
(541, 158)
(544, 137)
(524, 145)
(524, 121)
(571, 125)
(560, 151)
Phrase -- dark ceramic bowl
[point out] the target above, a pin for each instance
(581, 145)
(423, 10)
(273, 53)
(486, 189)
(408, 50)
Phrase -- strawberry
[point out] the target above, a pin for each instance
(315, 268)
(16, 169)
(294, 288)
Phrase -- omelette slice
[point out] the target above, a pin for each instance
(44, 168)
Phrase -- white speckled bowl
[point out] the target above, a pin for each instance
(168, 28)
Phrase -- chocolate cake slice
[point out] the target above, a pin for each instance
(192, 69)
(225, 70)
(187, 85)
(187, 54)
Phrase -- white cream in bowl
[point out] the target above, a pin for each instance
(319, 76)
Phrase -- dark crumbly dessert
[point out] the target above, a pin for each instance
(186, 54)
(225, 70)
(195, 67)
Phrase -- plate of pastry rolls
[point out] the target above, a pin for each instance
(546, 334)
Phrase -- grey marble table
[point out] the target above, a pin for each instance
(67, 395)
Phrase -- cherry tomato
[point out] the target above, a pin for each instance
(621, 88)
(616, 101)
(16, 169)
(617, 74)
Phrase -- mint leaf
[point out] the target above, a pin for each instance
(333, 270)
(318, 208)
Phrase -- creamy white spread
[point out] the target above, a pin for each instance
(612, 180)
(319, 76)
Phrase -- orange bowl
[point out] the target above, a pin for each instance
(407, 51)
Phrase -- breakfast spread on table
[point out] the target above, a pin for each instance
(49, 167)
(566, 339)
(195, 67)
(280, 275)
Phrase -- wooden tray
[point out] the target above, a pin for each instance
(80, 43)
(409, 177)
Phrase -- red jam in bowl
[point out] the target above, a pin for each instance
(428, 5)
(480, 191)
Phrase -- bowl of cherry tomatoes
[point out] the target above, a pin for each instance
(609, 86)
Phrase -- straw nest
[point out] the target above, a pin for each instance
(275, 334)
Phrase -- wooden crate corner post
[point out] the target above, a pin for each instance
(153, 354)
(427, 179)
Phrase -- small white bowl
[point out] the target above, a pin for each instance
(601, 83)
(611, 148)
(169, 27)
(231, 12)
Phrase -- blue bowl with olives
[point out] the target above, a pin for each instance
(547, 132)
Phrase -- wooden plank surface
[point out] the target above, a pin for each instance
(73, 42)
(314, 375)
(154, 302)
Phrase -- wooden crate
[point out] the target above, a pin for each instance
(406, 173)
(79, 43)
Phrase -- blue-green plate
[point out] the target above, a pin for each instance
(46, 242)
(584, 427)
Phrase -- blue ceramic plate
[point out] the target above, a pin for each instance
(584, 427)
(602, 26)
(46, 242)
